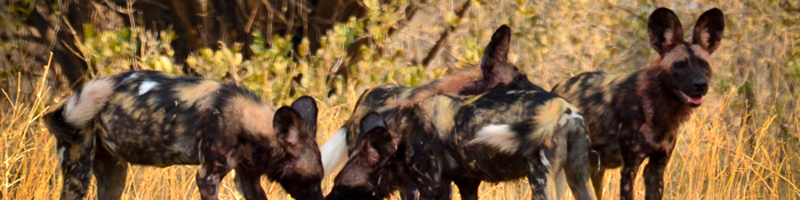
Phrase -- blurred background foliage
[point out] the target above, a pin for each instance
(333, 50)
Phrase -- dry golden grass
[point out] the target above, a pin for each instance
(711, 161)
(719, 154)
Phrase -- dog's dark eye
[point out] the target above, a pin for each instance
(704, 67)
(679, 65)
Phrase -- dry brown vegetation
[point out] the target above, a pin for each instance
(743, 143)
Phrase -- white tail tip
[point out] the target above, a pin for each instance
(83, 106)
(334, 151)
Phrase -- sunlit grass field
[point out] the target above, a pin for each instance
(725, 151)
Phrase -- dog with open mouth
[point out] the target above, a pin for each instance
(636, 116)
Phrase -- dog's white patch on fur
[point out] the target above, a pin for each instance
(545, 162)
(85, 105)
(146, 86)
(334, 151)
(130, 77)
(498, 136)
(573, 115)
(61, 153)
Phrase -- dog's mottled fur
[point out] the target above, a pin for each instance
(441, 137)
(157, 119)
(497, 136)
(635, 116)
(494, 71)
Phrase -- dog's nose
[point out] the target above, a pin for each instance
(701, 85)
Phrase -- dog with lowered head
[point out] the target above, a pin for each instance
(158, 119)
(494, 71)
(497, 136)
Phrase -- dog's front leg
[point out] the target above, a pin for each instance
(77, 157)
(409, 192)
(413, 191)
(110, 174)
(654, 175)
(468, 188)
(631, 161)
(426, 172)
(249, 184)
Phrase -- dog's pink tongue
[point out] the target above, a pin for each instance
(696, 100)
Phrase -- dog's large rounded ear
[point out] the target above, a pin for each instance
(371, 121)
(375, 133)
(665, 30)
(307, 108)
(289, 125)
(709, 30)
(496, 51)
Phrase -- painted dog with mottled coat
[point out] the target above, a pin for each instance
(426, 106)
(636, 116)
(497, 136)
(494, 71)
(158, 119)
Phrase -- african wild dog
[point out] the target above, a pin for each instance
(157, 119)
(494, 71)
(635, 116)
(497, 136)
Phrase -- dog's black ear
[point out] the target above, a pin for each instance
(375, 133)
(496, 51)
(371, 121)
(289, 125)
(307, 108)
(665, 30)
(709, 30)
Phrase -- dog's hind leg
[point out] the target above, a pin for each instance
(110, 174)
(444, 191)
(249, 184)
(598, 174)
(538, 170)
(561, 184)
(577, 167)
(468, 188)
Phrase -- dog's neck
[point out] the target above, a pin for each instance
(663, 110)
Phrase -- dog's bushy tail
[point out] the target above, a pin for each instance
(334, 151)
(552, 115)
(65, 120)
